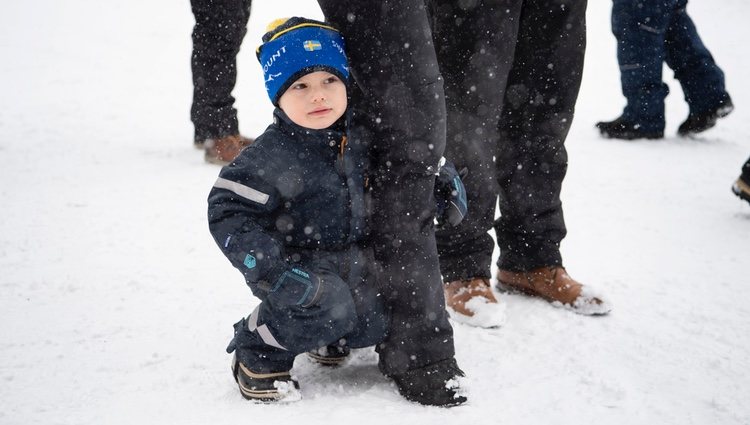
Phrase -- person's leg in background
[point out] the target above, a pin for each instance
(741, 186)
(475, 65)
(531, 159)
(701, 79)
(220, 26)
(640, 29)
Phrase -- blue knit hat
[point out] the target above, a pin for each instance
(297, 46)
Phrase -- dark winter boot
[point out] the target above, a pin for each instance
(330, 355)
(697, 123)
(742, 189)
(433, 385)
(626, 130)
(260, 370)
(265, 387)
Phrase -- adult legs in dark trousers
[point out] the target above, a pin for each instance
(220, 26)
(400, 111)
(648, 34)
(511, 91)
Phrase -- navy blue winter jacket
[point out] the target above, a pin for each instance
(293, 192)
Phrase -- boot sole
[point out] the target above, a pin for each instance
(648, 136)
(326, 361)
(458, 401)
(268, 396)
(509, 289)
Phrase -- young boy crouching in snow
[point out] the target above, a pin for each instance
(290, 214)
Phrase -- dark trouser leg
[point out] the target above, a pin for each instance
(640, 29)
(539, 104)
(475, 65)
(219, 28)
(701, 79)
(372, 318)
(393, 61)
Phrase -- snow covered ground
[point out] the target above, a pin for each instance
(115, 305)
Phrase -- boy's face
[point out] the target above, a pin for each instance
(315, 101)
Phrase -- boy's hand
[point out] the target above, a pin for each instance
(450, 195)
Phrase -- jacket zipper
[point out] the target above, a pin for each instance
(347, 219)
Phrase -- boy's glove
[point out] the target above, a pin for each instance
(450, 196)
(295, 287)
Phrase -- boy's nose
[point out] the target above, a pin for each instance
(318, 95)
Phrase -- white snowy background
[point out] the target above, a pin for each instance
(116, 306)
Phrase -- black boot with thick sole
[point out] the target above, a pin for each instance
(433, 385)
(265, 387)
(697, 123)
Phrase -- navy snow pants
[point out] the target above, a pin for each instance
(649, 33)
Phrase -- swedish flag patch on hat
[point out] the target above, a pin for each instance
(311, 45)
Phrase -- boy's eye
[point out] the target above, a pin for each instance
(299, 86)
(331, 79)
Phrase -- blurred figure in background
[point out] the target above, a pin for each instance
(741, 187)
(220, 26)
(650, 32)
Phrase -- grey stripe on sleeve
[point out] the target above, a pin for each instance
(267, 337)
(262, 330)
(246, 192)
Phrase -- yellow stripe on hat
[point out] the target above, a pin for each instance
(275, 24)
(305, 24)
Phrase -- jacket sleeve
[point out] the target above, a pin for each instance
(240, 218)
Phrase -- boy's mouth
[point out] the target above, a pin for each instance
(320, 111)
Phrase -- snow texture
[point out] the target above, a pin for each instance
(116, 305)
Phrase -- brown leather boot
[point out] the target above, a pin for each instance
(224, 150)
(459, 292)
(471, 302)
(556, 286)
